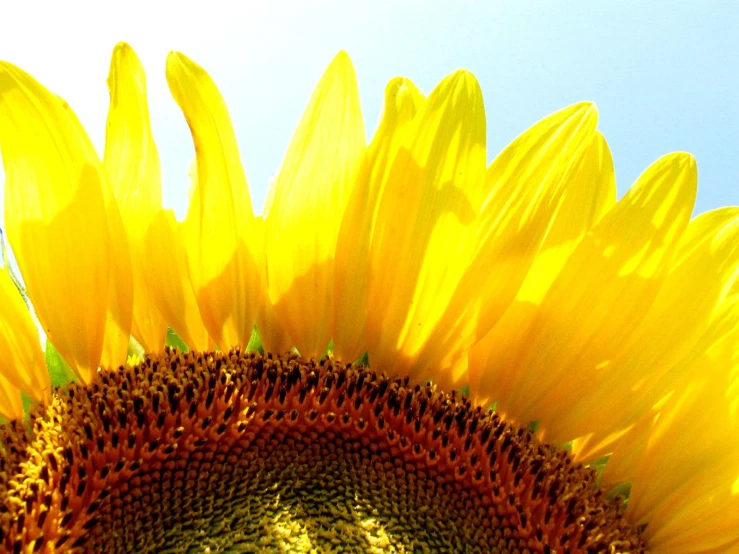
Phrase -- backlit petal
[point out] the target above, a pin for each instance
(170, 288)
(22, 361)
(272, 331)
(682, 463)
(308, 200)
(11, 406)
(589, 193)
(222, 268)
(678, 328)
(55, 215)
(352, 271)
(557, 354)
(120, 291)
(424, 232)
(131, 162)
(525, 187)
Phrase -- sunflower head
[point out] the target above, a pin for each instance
(410, 349)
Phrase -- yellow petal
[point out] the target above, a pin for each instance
(308, 201)
(402, 101)
(557, 355)
(171, 291)
(695, 366)
(679, 326)
(56, 217)
(273, 334)
(682, 462)
(120, 292)
(131, 162)
(589, 191)
(22, 361)
(11, 406)
(424, 232)
(589, 194)
(525, 186)
(222, 268)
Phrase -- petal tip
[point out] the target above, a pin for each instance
(465, 78)
(175, 59)
(587, 108)
(461, 85)
(687, 160)
(122, 48)
(7, 68)
(342, 62)
(581, 113)
(684, 162)
(178, 64)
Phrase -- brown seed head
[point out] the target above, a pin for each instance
(238, 451)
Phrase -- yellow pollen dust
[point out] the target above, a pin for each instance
(240, 452)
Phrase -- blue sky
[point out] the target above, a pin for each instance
(664, 74)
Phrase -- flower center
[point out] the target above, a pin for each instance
(238, 451)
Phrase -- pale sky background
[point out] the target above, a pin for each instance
(664, 74)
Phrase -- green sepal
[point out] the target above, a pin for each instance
(60, 372)
(623, 490)
(173, 340)
(599, 465)
(27, 402)
(329, 352)
(363, 360)
(255, 343)
(135, 350)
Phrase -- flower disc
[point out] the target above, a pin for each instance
(241, 452)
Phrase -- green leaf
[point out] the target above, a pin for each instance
(59, 370)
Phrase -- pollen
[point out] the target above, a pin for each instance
(243, 452)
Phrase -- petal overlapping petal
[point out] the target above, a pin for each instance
(222, 268)
(11, 406)
(120, 293)
(589, 194)
(680, 459)
(424, 231)
(22, 366)
(57, 218)
(609, 324)
(273, 334)
(679, 326)
(557, 355)
(166, 260)
(352, 266)
(525, 186)
(131, 162)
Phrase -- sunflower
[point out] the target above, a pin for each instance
(409, 351)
